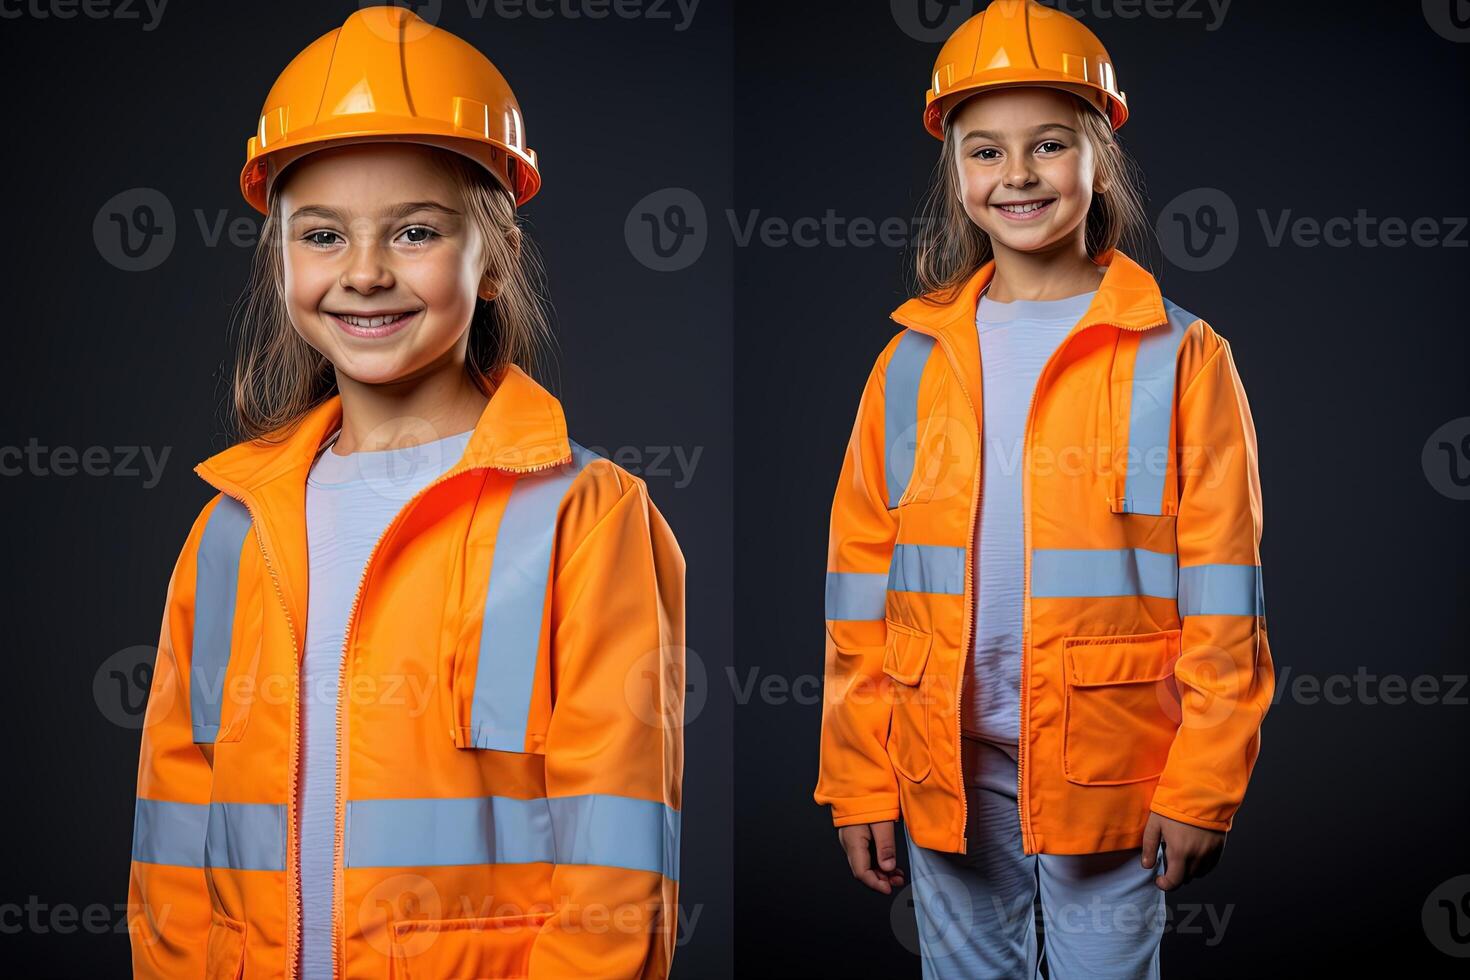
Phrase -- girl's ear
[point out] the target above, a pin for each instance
(489, 288)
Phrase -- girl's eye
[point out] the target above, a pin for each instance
(311, 237)
(985, 149)
(1054, 143)
(428, 234)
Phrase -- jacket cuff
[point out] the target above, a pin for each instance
(1189, 818)
(868, 809)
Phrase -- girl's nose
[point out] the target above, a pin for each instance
(1018, 173)
(366, 270)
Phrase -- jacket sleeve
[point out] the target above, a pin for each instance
(168, 897)
(1224, 671)
(614, 744)
(855, 774)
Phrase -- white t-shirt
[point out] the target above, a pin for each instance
(350, 501)
(1016, 340)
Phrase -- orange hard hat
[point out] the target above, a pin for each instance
(386, 75)
(1022, 42)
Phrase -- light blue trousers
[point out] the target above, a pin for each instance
(1102, 914)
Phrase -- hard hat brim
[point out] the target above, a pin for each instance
(516, 171)
(938, 111)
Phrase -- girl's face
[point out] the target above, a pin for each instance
(1024, 146)
(374, 231)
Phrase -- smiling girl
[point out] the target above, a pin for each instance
(1046, 634)
(418, 698)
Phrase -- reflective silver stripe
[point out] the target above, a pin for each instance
(245, 836)
(215, 582)
(901, 410)
(165, 832)
(248, 836)
(927, 568)
(601, 829)
(1151, 411)
(510, 632)
(1091, 572)
(1221, 590)
(856, 595)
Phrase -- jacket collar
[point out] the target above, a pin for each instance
(522, 428)
(1127, 297)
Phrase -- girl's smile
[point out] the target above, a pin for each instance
(374, 325)
(1025, 210)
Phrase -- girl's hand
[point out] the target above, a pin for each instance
(858, 840)
(1189, 851)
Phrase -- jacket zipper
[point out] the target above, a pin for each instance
(293, 943)
(339, 953)
(1026, 837)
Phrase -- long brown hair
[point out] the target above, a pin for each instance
(950, 247)
(278, 377)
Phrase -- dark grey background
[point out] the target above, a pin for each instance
(1351, 356)
(616, 107)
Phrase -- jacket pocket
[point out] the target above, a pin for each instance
(905, 654)
(1121, 710)
(495, 947)
(224, 957)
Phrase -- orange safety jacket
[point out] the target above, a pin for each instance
(1146, 671)
(509, 726)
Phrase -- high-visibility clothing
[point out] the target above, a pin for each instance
(1146, 671)
(509, 727)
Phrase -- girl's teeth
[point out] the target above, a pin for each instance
(1023, 208)
(375, 321)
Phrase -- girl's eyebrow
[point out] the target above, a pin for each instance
(395, 211)
(987, 134)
